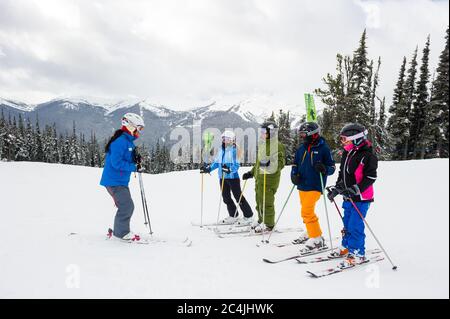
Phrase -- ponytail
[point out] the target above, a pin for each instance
(116, 135)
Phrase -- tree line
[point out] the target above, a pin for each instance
(417, 126)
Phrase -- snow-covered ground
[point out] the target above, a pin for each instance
(42, 204)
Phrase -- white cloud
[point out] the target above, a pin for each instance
(372, 11)
(186, 52)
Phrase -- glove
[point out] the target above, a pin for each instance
(247, 175)
(205, 169)
(295, 178)
(319, 167)
(351, 191)
(333, 192)
(137, 158)
(226, 169)
(264, 163)
(139, 167)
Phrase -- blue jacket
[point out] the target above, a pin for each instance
(304, 165)
(119, 162)
(227, 156)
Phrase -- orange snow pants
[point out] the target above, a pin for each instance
(308, 202)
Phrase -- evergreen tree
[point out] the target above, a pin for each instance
(360, 84)
(437, 124)
(22, 153)
(409, 93)
(350, 95)
(420, 110)
(285, 135)
(73, 147)
(398, 123)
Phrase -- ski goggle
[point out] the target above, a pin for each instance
(304, 134)
(345, 139)
(227, 139)
(125, 122)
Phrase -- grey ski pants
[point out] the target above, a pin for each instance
(125, 208)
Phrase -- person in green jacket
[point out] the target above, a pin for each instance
(267, 170)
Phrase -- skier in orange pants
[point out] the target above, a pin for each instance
(313, 160)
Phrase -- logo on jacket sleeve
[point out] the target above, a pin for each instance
(130, 149)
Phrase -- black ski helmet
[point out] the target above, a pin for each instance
(309, 131)
(354, 132)
(269, 126)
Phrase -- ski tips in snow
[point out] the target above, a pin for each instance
(337, 269)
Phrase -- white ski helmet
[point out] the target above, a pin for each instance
(134, 120)
(229, 135)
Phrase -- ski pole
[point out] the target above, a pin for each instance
(334, 202)
(220, 200)
(240, 198)
(281, 213)
(343, 231)
(264, 204)
(201, 204)
(394, 267)
(142, 199)
(326, 210)
(144, 204)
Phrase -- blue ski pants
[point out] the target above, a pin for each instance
(354, 237)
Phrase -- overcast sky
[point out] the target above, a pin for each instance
(183, 53)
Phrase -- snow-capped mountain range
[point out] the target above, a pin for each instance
(102, 116)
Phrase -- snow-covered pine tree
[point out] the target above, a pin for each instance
(398, 123)
(361, 84)
(350, 95)
(334, 96)
(409, 94)
(73, 147)
(285, 135)
(438, 115)
(420, 110)
(38, 152)
(22, 153)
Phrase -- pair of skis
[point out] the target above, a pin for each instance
(236, 230)
(374, 255)
(185, 242)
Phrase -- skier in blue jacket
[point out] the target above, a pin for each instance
(228, 165)
(121, 160)
(313, 160)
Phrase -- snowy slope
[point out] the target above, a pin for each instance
(42, 204)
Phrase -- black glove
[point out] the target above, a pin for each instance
(319, 167)
(205, 169)
(351, 191)
(137, 158)
(333, 191)
(295, 178)
(139, 167)
(247, 175)
(226, 169)
(264, 163)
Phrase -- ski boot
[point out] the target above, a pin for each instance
(352, 260)
(301, 239)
